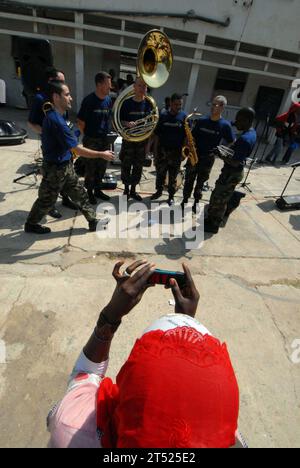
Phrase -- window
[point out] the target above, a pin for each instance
(220, 43)
(254, 49)
(232, 84)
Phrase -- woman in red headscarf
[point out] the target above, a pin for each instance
(176, 390)
(287, 132)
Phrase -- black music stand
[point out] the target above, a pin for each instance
(265, 134)
(291, 202)
(37, 167)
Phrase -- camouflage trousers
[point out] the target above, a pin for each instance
(55, 179)
(225, 186)
(95, 168)
(199, 172)
(168, 161)
(132, 156)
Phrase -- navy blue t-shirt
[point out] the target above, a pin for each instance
(57, 138)
(208, 134)
(132, 111)
(170, 129)
(96, 113)
(244, 145)
(36, 115)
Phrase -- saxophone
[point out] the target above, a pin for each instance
(189, 151)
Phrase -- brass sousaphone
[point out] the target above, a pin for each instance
(154, 63)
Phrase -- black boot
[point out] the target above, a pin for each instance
(195, 206)
(101, 195)
(126, 191)
(92, 198)
(171, 201)
(209, 226)
(36, 229)
(156, 195)
(54, 213)
(98, 223)
(134, 195)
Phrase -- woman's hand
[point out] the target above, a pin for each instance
(130, 288)
(186, 299)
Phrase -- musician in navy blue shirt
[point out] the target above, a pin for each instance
(94, 121)
(36, 115)
(59, 144)
(36, 119)
(233, 170)
(208, 133)
(168, 143)
(133, 154)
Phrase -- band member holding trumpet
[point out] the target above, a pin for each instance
(93, 120)
(168, 142)
(133, 153)
(59, 144)
(208, 133)
(233, 170)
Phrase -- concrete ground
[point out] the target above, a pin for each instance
(52, 289)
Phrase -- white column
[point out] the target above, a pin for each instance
(79, 62)
(122, 42)
(194, 78)
(35, 25)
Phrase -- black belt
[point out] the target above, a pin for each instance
(101, 138)
(57, 164)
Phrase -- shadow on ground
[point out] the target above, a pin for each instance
(17, 241)
(295, 222)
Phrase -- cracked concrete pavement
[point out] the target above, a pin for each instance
(52, 289)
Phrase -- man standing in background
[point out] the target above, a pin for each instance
(233, 171)
(208, 133)
(168, 142)
(133, 153)
(93, 121)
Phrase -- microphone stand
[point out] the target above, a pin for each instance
(246, 184)
(266, 131)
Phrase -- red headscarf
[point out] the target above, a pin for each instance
(177, 390)
(285, 117)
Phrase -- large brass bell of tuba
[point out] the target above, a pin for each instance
(154, 63)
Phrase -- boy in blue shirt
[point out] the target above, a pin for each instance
(232, 172)
(58, 171)
(208, 133)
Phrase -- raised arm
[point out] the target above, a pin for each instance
(129, 291)
(91, 154)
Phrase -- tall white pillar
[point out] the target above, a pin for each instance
(79, 61)
(194, 77)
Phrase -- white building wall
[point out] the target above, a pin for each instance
(265, 24)
(204, 88)
(259, 23)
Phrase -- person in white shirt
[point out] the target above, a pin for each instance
(177, 389)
